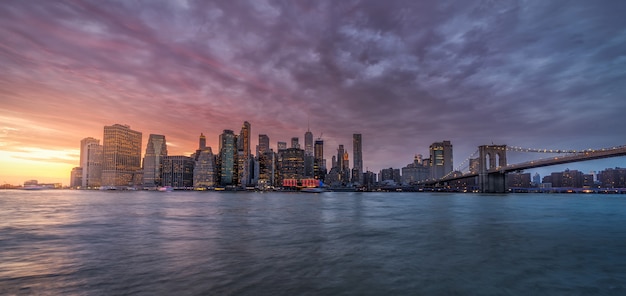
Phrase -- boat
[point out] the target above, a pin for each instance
(313, 190)
(165, 189)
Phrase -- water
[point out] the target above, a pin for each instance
(203, 243)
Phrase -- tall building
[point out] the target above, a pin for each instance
(357, 155)
(201, 142)
(440, 159)
(91, 163)
(204, 170)
(152, 161)
(227, 158)
(308, 143)
(340, 163)
(345, 174)
(121, 156)
(319, 165)
(294, 143)
(243, 156)
(177, 171)
(291, 164)
(264, 144)
(281, 145)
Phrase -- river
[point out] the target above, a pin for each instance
(70, 242)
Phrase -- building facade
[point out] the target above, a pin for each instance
(156, 149)
(228, 158)
(177, 171)
(357, 159)
(121, 156)
(440, 159)
(91, 163)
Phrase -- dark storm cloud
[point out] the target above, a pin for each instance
(403, 73)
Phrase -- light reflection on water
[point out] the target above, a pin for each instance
(198, 243)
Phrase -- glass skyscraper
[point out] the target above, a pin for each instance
(153, 161)
(228, 153)
(121, 156)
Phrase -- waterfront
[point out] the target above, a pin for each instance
(63, 242)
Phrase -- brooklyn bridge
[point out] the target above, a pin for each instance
(491, 166)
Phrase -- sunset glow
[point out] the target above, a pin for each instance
(545, 74)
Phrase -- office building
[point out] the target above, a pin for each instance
(295, 143)
(440, 159)
(76, 177)
(91, 163)
(204, 170)
(121, 164)
(291, 165)
(281, 146)
(152, 161)
(415, 171)
(357, 159)
(228, 158)
(319, 165)
(244, 168)
(177, 171)
(264, 144)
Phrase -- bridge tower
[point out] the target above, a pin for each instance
(490, 178)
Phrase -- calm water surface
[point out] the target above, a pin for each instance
(203, 243)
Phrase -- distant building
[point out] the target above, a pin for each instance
(281, 145)
(291, 164)
(204, 170)
(536, 179)
(390, 175)
(264, 144)
(357, 159)
(518, 180)
(440, 159)
(76, 177)
(152, 160)
(613, 178)
(91, 163)
(319, 165)
(415, 171)
(177, 171)
(121, 156)
(567, 178)
(244, 158)
(295, 143)
(228, 158)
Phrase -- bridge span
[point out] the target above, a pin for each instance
(492, 175)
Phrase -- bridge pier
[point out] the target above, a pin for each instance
(493, 182)
(491, 158)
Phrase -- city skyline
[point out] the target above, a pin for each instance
(403, 74)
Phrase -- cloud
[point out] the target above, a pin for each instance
(404, 73)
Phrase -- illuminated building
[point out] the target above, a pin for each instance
(440, 159)
(357, 155)
(91, 163)
(152, 161)
(227, 158)
(177, 171)
(121, 156)
(294, 143)
(264, 144)
(319, 165)
(204, 170)
(415, 171)
(244, 171)
(613, 178)
(281, 146)
(309, 159)
(291, 164)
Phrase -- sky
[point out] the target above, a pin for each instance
(404, 74)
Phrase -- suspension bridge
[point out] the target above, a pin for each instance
(491, 165)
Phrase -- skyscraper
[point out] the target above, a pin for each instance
(340, 163)
(264, 144)
(91, 163)
(152, 161)
(281, 146)
(294, 143)
(204, 175)
(202, 142)
(227, 158)
(357, 154)
(121, 156)
(319, 167)
(440, 159)
(243, 155)
(308, 143)
(309, 160)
